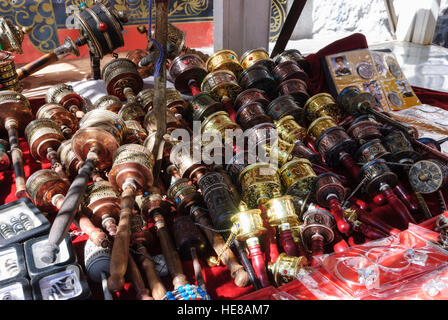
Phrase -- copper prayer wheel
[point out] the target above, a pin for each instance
(221, 84)
(135, 132)
(251, 56)
(259, 77)
(102, 130)
(251, 114)
(285, 106)
(281, 210)
(218, 122)
(8, 75)
(111, 103)
(297, 174)
(64, 95)
(41, 135)
(295, 88)
(259, 182)
(289, 130)
(289, 70)
(136, 56)
(5, 162)
(104, 203)
(184, 194)
(224, 60)
(120, 74)
(286, 268)
(43, 186)
(15, 114)
(364, 128)
(203, 105)
(186, 236)
(185, 69)
(66, 120)
(319, 126)
(377, 173)
(332, 143)
(68, 158)
(328, 184)
(428, 176)
(133, 164)
(294, 55)
(317, 227)
(250, 95)
(372, 150)
(248, 223)
(321, 105)
(11, 36)
(400, 147)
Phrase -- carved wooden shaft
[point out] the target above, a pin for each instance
(120, 249)
(351, 166)
(240, 276)
(317, 248)
(36, 65)
(371, 232)
(172, 258)
(11, 126)
(405, 197)
(133, 273)
(257, 257)
(248, 265)
(66, 214)
(369, 219)
(158, 290)
(96, 235)
(287, 242)
(338, 214)
(397, 206)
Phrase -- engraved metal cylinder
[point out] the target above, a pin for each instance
(295, 88)
(400, 147)
(289, 130)
(286, 268)
(187, 68)
(251, 114)
(248, 224)
(119, 74)
(289, 70)
(317, 221)
(218, 122)
(281, 210)
(294, 55)
(42, 134)
(43, 185)
(364, 128)
(285, 106)
(372, 150)
(297, 174)
(332, 143)
(135, 132)
(258, 76)
(321, 105)
(221, 84)
(8, 75)
(103, 200)
(184, 194)
(203, 105)
(68, 158)
(58, 114)
(224, 60)
(326, 184)
(319, 126)
(64, 95)
(14, 105)
(250, 95)
(111, 103)
(377, 173)
(250, 57)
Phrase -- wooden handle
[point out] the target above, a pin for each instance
(120, 249)
(398, 206)
(287, 242)
(16, 157)
(169, 252)
(338, 214)
(257, 258)
(133, 274)
(36, 65)
(158, 290)
(240, 276)
(405, 196)
(96, 235)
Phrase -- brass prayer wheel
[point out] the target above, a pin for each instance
(135, 132)
(221, 84)
(400, 147)
(111, 103)
(218, 122)
(258, 76)
(252, 56)
(251, 114)
(174, 100)
(372, 150)
(11, 36)
(289, 70)
(41, 135)
(203, 105)
(104, 203)
(102, 130)
(172, 122)
(66, 120)
(289, 130)
(187, 68)
(247, 223)
(364, 129)
(297, 174)
(321, 105)
(250, 95)
(259, 182)
(176, 40)
(131, 111)
(286, 268)
(184, 194)
(8, 74)
(120, 74)
(295, 88)
(281, 210)
(278, 150)
(319, 126)
(224, 60)
(68, 158)
(43, 185)
(294, 55)
(133, 164)
(377, 173)
(285, 106)
(327, 184)
(64, 95)
(428, 176)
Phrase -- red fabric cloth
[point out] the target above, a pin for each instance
(218, 281)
